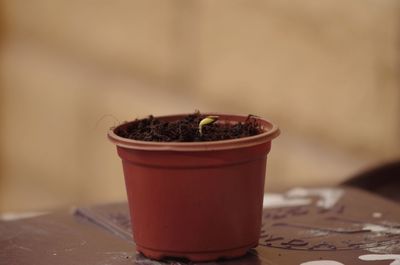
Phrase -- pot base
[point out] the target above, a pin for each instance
(196, 256)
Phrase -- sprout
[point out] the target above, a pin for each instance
(205, 121)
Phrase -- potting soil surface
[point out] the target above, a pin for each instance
(187, 129)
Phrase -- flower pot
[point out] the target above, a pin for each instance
(197, 200)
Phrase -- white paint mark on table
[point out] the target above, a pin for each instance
(328, 196)
(375, 228)
(376, 257)
(377, 215)
(382, 231)
(322, 262)
(275, 200)
(17, 216)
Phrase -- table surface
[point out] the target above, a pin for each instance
(330, 226)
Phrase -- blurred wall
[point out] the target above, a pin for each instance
(325, 71)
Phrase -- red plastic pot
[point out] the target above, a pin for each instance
(199, 200)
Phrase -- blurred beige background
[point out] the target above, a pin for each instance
(326, 71)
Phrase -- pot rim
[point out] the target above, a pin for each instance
(271, 131)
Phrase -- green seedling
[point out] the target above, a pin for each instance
(207, 120)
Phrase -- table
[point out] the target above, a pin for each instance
(330, 226)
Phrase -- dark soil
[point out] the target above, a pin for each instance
(187, 129)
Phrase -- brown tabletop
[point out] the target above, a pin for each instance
(328, 226)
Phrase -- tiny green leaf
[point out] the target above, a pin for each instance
(205, 121)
